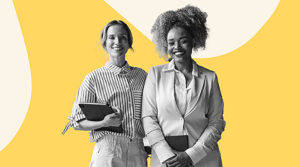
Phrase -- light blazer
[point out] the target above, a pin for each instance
(203, 121)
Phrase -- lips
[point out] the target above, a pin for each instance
(117, 48)
(178, 53)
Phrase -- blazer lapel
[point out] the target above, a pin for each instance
(197, 90)
(169, 90)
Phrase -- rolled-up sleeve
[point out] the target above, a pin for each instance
(85, 94)
(150, 122)
(212, 134)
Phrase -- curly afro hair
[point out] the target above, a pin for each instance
(191, 18)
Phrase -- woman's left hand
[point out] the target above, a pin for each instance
(181, 159)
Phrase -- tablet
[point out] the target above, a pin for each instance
(97, 112)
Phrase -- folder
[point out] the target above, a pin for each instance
(178, 143)
(97, 112)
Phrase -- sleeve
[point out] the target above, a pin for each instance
(150, 122)
(85, 94)
(216, 124)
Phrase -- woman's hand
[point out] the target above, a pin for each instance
(181, 159)
(114, 119)
(118, 111)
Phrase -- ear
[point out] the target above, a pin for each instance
(194, 43)
(104, 47)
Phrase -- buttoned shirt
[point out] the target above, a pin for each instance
(183, 92)
(119, 87)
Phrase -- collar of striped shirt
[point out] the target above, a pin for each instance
(118, 70)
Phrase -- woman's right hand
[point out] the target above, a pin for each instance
(114, 119)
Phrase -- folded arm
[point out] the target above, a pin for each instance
(113, 119)
(150, 122)
(216, 124)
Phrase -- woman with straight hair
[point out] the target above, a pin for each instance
(119, 85)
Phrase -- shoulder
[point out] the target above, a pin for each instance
(95, 75)
(209, 74)
(206, 71)
(138, 71)
(156, 71)
(96, 72)
(158, 68)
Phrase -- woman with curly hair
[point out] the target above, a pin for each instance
(181, 99)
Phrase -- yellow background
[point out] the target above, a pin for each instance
(259, 82)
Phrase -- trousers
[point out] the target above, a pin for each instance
(118, 151)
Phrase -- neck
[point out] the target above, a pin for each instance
(185, 66)
(118, 61)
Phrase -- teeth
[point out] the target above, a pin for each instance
(117, 48)
(178, 53)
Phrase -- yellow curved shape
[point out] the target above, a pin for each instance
(259, 83)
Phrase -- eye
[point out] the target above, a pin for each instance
(184, 41)
(171, 43)
(111, 37)
(124, 37)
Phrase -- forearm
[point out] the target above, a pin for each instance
(156, 138)
(207, 142)
(87, 125)
(216, 124)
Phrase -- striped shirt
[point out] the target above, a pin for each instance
(119, 87)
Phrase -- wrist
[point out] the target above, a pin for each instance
(164, 162)
(100, 124)
(188, 158)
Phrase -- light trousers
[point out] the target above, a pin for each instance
(116, 151)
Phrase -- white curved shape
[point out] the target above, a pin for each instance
(231, 22)
(15, 85)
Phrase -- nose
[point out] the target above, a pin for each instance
(177, 45)
(117, 40)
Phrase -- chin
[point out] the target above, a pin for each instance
(118, 55)
(179, 59)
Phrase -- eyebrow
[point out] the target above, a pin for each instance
(184, 37)
(118, 34)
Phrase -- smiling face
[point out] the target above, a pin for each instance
(116, 43)
(180, 44)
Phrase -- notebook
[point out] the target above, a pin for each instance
(178, 143)
(97, 112)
